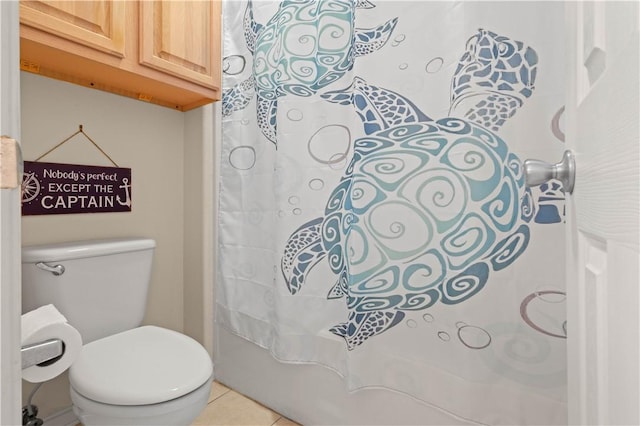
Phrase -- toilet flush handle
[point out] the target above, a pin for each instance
(56, 270)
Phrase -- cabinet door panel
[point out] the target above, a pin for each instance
(97, 24)
(178, 37)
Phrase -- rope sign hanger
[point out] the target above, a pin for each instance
(80, 130)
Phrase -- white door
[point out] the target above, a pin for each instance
(603, 252)
(10, 289)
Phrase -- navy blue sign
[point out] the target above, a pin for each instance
(54, 188)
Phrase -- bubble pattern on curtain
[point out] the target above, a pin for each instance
(363, 225)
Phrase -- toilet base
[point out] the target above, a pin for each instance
(179, 411)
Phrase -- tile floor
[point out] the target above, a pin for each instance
(228, 407)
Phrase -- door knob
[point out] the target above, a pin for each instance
(537, 172)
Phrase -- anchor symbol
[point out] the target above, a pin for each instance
(126, 187)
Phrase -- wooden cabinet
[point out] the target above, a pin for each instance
(176, 37)
(165, 51)
(96, 24)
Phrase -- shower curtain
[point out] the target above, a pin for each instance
(373, 217)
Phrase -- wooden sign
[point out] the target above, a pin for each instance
(54, 188)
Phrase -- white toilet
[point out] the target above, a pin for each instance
(125, 374)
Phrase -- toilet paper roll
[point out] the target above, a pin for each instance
(47, 323)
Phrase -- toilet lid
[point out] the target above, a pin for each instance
(146, 365)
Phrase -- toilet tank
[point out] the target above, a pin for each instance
(103, 289)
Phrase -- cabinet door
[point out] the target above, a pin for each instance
(97, 24)
(182, 38)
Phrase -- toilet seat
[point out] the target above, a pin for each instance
(142, 366)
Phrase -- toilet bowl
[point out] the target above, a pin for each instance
(144, 376)
(176, 412)
(125, 374)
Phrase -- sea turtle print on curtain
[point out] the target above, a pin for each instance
(427, 208)
(304, 47)
(377, 227)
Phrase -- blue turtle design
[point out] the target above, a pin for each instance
(305, 46)
(427, 208)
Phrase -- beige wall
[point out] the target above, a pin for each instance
(169, 199)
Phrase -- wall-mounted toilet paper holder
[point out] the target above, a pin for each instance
(42, 352)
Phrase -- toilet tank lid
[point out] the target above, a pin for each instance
(82, 249)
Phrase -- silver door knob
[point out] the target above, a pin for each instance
(537, 172)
